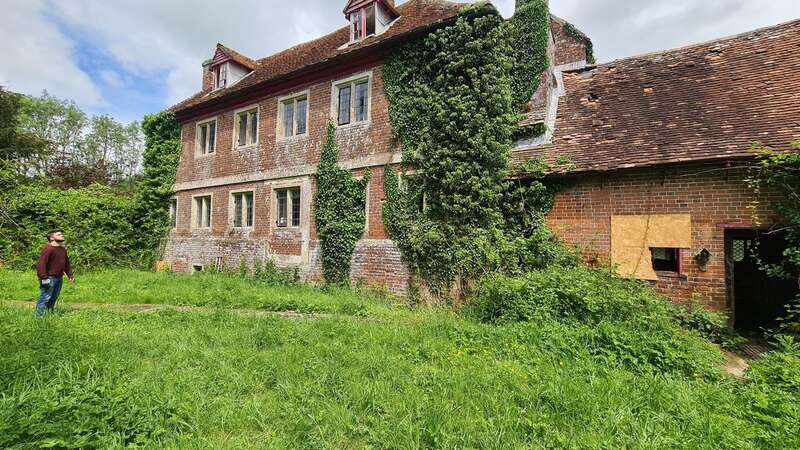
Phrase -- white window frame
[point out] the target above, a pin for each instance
(351, 81)
(281, 127)
(204, 153)
(195, 211)
(232, 210)
(236, 113)
(173, 213)
(289, 206)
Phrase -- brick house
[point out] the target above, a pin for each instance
(653, 140)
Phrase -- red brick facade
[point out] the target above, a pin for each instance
(716, 198)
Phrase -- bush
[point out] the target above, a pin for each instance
(622, 322)
(95, 220)
(712, 325)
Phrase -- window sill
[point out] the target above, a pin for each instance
(204, 155)
(361, 124)
(296, 137)
(245, 148)
(672, 275)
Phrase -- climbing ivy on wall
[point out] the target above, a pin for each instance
(339, 211)
(454, 109)
(574, 32)
(161, 155)
(529, 31)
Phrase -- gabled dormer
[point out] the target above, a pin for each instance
(225, 69)
(369, 17)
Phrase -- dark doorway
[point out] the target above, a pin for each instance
(757, 300)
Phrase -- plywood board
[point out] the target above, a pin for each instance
(632, 237)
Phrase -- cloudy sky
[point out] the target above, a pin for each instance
(129, 58)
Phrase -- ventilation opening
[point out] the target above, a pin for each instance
(197, 268)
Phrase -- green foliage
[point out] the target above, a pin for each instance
(453, 109)
(780, 172)
(621, 321)
(161, 156)
(96, 221)
(339, 211)
(712, 325)
(529, 30)
(230, 380)
(16, 144)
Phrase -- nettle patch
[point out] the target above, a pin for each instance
(455, 97)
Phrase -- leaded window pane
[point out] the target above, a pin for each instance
(212, 137)
(253, 127)
(288, 119)
(296, 207)
(362, 101)
(344, 105)
(302, 107)
(282, 208)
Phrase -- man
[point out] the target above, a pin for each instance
(53, 264)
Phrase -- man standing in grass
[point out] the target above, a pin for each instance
(53, 264)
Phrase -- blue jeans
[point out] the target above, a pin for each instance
(48, 295)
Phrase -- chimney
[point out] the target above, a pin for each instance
(208, 76)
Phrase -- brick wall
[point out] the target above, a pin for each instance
(277, 163)
(712, 195)
(569, 49)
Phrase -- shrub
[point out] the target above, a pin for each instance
(622, 322)
(712, 325)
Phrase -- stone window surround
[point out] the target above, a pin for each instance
(197, 152)
(232, 210)
(280, 126)
(235, 133)
(336, 84)
(304, 183)
(195, 212)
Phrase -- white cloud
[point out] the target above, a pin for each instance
(112, 78)
(37, 56)
(170, 39)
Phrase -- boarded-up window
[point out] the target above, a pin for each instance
(634, 237)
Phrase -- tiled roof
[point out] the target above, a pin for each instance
(414, 15)
(237, 57)
(706, 102)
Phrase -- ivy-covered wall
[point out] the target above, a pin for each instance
(455, 97)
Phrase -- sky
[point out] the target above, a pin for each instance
(130, 58)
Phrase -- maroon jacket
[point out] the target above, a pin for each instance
(54, 262)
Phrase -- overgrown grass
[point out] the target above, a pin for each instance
(99, 379)
(219, 290)
(413, 379)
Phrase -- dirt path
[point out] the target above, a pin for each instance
(147, 309)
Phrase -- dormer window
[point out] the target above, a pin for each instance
(221, 76)
(369, 18)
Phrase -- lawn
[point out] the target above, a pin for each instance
(218, 290)
(413, 379)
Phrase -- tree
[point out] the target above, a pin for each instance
(59, 122)
(17, 145)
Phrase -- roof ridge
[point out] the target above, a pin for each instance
(734, 37)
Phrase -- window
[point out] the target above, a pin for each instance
(358, 30)
(202, 212)
(294, 116)
(221, 76)
(363, 22)
(352, 101)
(288, 207)
(173, 213)
(242, 210)
(246, 128)
(207, 137)
(666, 259)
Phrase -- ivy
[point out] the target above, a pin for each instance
(454, 103)
(161, 155)
(571, 30)
(339, 211)
(529, 31)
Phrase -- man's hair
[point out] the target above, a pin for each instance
(51, 233)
